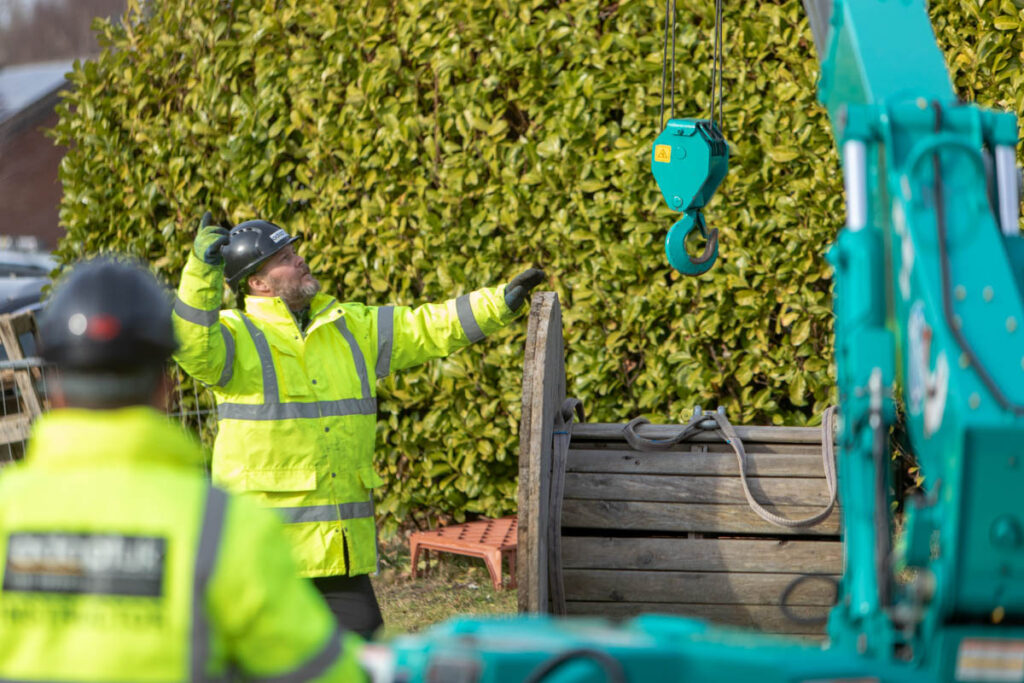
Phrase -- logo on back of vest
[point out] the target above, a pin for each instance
(278, 236)
(101, 564)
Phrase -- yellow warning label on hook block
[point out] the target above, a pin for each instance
(663, 153)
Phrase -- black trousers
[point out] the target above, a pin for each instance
(353, 602)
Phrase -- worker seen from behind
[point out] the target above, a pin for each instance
(294, 377)
(120, 561)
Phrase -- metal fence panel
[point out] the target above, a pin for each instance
(191, 404)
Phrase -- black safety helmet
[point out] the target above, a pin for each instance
(107, 316)
(251, 243)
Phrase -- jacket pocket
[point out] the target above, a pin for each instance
(279, 480)
(370, 478)
(292, 382)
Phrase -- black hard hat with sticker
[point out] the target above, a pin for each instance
(251, 243)
(107, 315)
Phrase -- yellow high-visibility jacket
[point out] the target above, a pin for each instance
(122, 563)
(297, 410)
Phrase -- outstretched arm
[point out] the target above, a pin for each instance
(410, 336)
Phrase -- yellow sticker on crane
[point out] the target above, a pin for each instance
(663, 153)
(980, 660)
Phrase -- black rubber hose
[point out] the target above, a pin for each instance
(611, 666)
(808, 621)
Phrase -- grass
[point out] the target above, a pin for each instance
(456, 585)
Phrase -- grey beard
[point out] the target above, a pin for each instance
(297, 296)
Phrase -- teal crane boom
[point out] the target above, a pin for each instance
(929, 272)
(929, 277)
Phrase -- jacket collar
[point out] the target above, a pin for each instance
(274, 310)
(75, 437)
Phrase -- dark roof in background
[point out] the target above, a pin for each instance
(29, 91)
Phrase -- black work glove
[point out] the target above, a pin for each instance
(519, 288)
(209, 241)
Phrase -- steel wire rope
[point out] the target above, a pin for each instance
(717, 66)
(665, 62)
(717, 62)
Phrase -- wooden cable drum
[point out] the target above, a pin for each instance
(609, 530)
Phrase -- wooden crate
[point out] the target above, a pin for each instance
(669, 531)
(21, 401)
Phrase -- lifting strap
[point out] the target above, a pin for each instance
(728, 433)
(561, 436)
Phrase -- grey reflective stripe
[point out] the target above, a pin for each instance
(320, 663)
(357, 356)
(376, 541)
(270, 394)
(326, 513)
(229, 356)
(196, 315)
(385, 337)
(468, 320)
(329, 304)
(293, 411)
(206, 557)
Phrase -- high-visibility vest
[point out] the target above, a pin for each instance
(297, 409)
(120, 562)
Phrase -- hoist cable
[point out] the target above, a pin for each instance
(716, 67)
(672, 109)
(669, 64)
(664, 66)
(714, 64)
(721, 61)
(665, 63)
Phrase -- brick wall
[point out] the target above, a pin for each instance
(29, 189)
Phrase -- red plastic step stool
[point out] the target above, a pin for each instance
(489, 539)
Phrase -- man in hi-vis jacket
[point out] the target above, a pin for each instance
(294, 377)
(120, 562)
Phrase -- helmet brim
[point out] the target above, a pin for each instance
(236, 280)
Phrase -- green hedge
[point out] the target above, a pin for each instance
(426, 148)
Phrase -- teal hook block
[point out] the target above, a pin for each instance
(689, 160)
(675, 245)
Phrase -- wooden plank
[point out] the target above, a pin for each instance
(695, 463)
(717, 446)
(699, 517)
(703, 554)
(9, 338)
(529, 480)
(526, 497)
(707, 588)
(764, 618)
(543, 393)
(687, 489)
(14, 428)
(605, 431)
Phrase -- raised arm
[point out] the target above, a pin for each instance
(204, 340)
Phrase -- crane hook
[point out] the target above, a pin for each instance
(675, 245)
